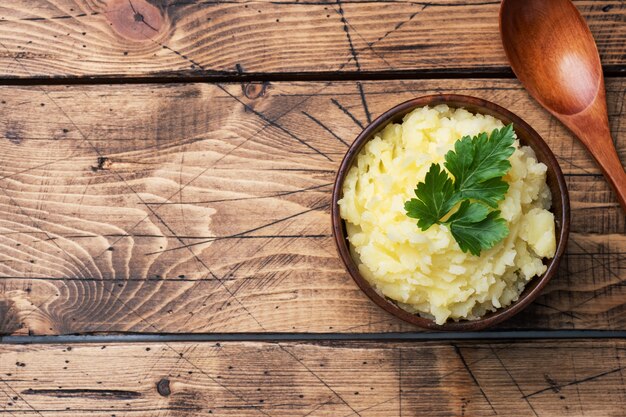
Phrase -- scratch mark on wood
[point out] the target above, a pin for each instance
(347, 113)
(398, 26)
(596, 261)
(346, 29)
(21, 398)
(326, 128)
(551, 382)
(273, 123)
(364, 102)
(566, 313)
(579, 381)
(471, 374)
(320, 379)
(330, 400)
(495, 353)
(367, 45)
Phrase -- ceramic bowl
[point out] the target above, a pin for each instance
(527, 136)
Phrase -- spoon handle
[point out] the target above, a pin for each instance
(591, 126)
(614, 172)
(602, 149)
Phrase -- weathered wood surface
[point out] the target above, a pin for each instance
(204, 208)
(52, 38)
(542, 378)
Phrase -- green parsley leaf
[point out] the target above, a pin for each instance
(489, 192)
(475, 228)
(469, 212)
(477, 165)
(434, 198)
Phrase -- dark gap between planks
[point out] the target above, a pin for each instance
(235, 77)
(501, 335)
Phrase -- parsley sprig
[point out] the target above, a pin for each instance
(477, 164)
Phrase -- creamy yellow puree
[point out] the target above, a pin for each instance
(426, 272)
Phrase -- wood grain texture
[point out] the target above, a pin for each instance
(121, 38)
(204, 208)
(546, 378)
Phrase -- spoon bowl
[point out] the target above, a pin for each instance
(553, 53)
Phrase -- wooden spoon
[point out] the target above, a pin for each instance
(553, 53)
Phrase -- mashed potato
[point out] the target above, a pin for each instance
(426, 272)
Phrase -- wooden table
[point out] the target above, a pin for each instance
(165, 177)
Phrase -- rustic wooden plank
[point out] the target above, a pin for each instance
(546, 378)
(58, 38)
(204, 208)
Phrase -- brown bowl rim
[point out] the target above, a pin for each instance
(528, 136)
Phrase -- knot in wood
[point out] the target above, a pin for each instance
(163, 387)
(103, 164)
(254, 90)
(136, 20)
